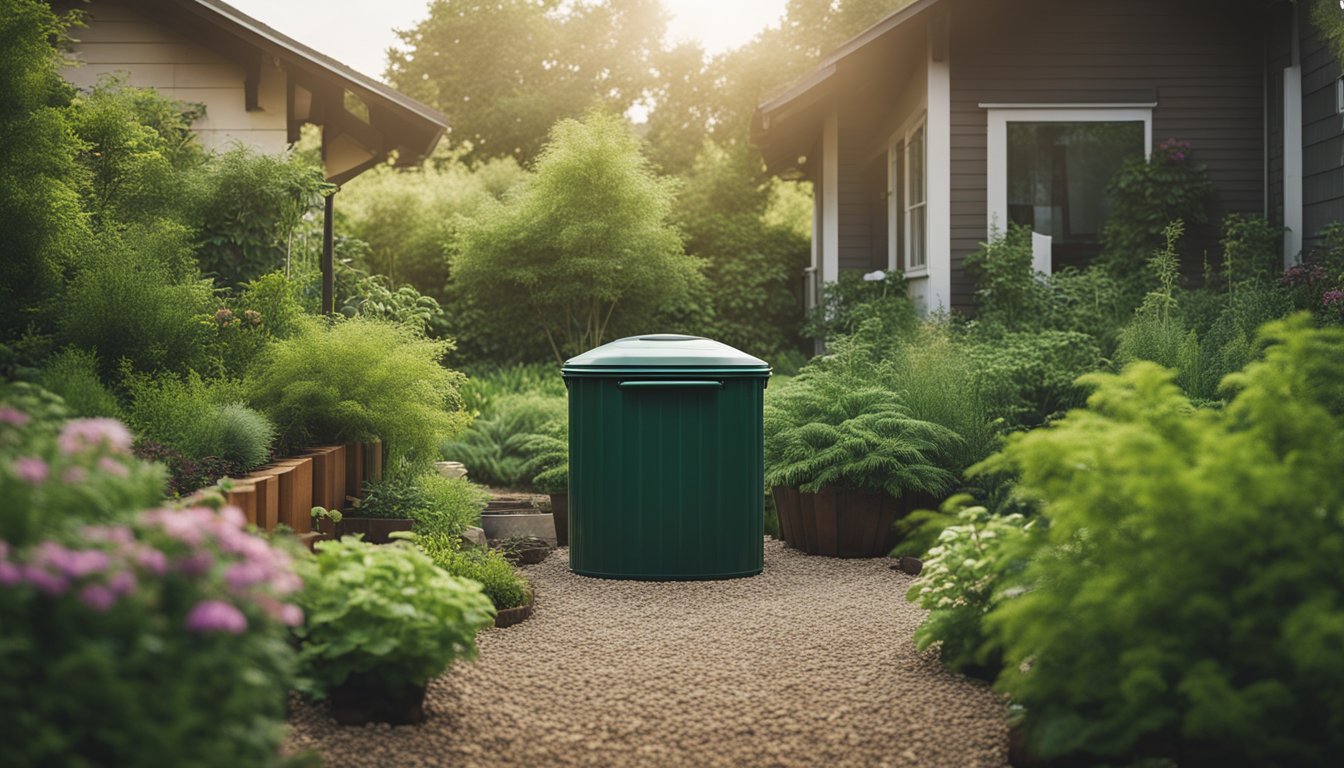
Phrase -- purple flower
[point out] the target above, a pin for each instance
(13, 417)
(70, 563)
(151, 560)
(83, 434)
(10, 574)
(196, 564)
(31, 470)
(97, 597)
(1330, 298)
(241, 576)
(216, 616)
(122, 583)
(44, 581)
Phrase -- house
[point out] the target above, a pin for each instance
(949, 117)
(258, 87)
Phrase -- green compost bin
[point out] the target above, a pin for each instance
(666, 459)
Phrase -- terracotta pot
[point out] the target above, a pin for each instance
(363, 699)
(836, 522)
(560, 511)
(376, 530)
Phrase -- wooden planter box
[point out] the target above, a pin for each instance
(259, 498)
(295, 478)
(510, 616)
(837, 523)
(328, 476)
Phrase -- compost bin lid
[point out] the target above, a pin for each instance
(665, 352)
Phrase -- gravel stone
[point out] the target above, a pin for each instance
(810, 663)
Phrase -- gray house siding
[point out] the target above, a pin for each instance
(1203, 68)
(1322, 138)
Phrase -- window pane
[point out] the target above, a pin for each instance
(916, 162)
(917, 238)
(1057, 177)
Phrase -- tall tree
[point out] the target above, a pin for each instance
(504, 71)
(42, 226)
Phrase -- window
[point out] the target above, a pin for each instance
(908, 239)
(1049, 168)
(915, 202)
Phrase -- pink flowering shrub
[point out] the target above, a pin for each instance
(160, 641)
(55, 477)
(130, 635)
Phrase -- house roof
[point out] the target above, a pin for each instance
(778, 118)
(395, 121)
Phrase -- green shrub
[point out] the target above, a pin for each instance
(360, 379)
(455, 504)
(1145, 196)
(484, 387)
(385, 615)
(137, 301)
(1186, 603)
(583, 249)
(408, 215)
(960, 582)
(374, 296)
(1008, 292)
(1252, 250)
(1026, 379)
(244, 436)
(501, 582)
(497, 448)
(826, 428)
(73, 374)
(202, 420)
(851, 300)
(1092, 301)
(1156, 333)
(248, 207)
(753, 268)
(139, 150)
(438, 505)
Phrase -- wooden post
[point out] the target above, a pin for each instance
(328, 270)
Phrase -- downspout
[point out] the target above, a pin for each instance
(1292, 151)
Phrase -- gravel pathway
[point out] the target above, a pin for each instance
(809, 664)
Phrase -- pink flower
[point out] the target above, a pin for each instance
(97, 597)
(122, 583)
(71, 563)
(13, 417)
(216, 616)
(83, 434)
(291, 615)
(10, 574)
(151, 560)
(1332, 297)
(113, 467)
(241, 576)
(44, 581)
(196, 564)
(74, 475)
(31, 470)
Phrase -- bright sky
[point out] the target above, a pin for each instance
(359, 32)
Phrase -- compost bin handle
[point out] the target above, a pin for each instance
(670, 384)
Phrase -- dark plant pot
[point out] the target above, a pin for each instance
(362, 699)
(510, 616)
(529, 553)
(911, 565)
(311, 539)
(836, 522)
(560, 511)
(376, 530)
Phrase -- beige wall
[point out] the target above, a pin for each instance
(118, 39)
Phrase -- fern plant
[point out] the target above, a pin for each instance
(829, 429)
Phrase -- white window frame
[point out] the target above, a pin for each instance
(899, 209)
(1000, 115)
